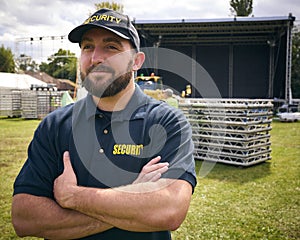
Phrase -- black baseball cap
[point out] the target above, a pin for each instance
(111, 20)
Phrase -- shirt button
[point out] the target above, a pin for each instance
(105, 131)
(101, 150)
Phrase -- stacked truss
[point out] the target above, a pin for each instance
(233, 131)
(10, 102)
(29, 104)
(37, 104)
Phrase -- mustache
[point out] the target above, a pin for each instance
(100, 68)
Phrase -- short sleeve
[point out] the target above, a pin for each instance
(41, 167)
(174, 139)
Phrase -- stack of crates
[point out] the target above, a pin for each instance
(29, 104)
(36, 104)
(10, 102)
(232, 131)
(44, 103)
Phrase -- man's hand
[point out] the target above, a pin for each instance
(152, 171)
(65, 184)
(119, 206)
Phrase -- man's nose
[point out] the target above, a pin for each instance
(98, 56)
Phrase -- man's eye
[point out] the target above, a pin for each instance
(112, 47)
(86, 47)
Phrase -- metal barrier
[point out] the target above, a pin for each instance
(37, 104)
(10, 102)
(28, 104)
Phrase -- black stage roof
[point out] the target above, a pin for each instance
(239, 30)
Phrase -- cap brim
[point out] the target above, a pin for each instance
(76, 34)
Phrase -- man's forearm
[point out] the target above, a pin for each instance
(43, 217)
(139, 207)
(142, 206)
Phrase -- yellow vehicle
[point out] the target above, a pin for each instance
(151, 85)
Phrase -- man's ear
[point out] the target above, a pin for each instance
(138, 61)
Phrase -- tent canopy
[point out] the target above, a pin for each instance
(19, 81)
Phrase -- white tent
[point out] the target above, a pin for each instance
(18, 81)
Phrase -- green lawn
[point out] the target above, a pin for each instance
(258, 202)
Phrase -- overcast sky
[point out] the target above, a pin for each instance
(22, 19)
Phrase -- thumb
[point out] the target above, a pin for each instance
(67, 161)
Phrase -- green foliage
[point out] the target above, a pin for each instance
(296, 65)
(25, 63)
(62, 65)
(259, 202)
(7, 63)
(110, 5)
(241, 8)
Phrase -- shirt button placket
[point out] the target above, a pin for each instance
(105, 131)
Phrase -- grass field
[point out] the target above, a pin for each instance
(259, 202)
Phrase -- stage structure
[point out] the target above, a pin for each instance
(247, 57)
(39, 48)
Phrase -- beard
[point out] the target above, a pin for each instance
(100, 87)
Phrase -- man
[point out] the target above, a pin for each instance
(114, 165)
(168, 98)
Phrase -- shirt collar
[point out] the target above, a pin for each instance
(137, 100)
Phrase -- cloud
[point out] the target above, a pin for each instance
(276, 8)
(38, 18)
(25, 14)
(175, 9)
(41, 17)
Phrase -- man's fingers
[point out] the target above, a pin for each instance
(153, 161)
(157, 166)
(155, 175)
(162, 169)
(154, 165)
(152, 171)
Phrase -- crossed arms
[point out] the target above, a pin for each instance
(149, 204)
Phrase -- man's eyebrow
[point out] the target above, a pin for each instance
(86, 39)
(113, 39)
(105, 40)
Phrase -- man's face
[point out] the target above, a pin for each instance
(106, 62)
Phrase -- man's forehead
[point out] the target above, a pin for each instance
(104, 36)
(100, 33)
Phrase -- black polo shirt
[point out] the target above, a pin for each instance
(108, 149)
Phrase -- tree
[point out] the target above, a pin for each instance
(62, 64)
(241, 7)
(25, 63)
(114, 6)
(7, 63)
(295, 75)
